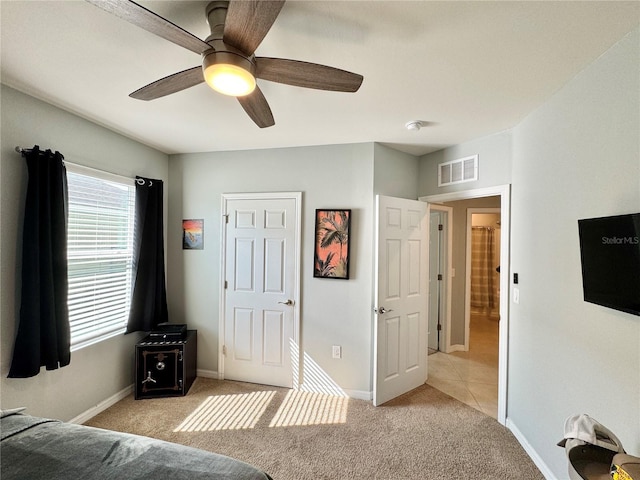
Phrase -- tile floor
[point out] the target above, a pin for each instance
(471, 377)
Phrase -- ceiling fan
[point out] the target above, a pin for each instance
(229, 65)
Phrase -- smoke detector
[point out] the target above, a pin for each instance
(414, 125)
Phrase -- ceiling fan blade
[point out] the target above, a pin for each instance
(248, 21)
(171, 84)
(151, 22)
(257, 108)
(308, 75)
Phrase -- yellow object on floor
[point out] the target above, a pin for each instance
(625, 467)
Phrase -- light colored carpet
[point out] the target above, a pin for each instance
(291, 435)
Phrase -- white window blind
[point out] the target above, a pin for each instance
(100, 252)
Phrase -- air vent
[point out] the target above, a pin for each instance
(458, 171)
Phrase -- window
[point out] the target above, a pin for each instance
(100, 253)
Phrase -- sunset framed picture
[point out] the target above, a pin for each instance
(193, 234)
(331, 253)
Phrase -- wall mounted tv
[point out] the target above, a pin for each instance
(610, 254)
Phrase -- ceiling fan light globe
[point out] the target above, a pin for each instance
(230, 79)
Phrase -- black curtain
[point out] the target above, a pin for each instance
(43, 337)
(149, 297)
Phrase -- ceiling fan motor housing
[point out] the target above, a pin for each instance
(227, 56)
(220, 52)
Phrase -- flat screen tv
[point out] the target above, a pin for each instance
(610, 254)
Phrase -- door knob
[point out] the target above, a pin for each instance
(382, 310)
(288, 303)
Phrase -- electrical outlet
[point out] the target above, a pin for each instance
(336, 351)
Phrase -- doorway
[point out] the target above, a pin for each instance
(440, 247)
(482, 285)
(503, 192)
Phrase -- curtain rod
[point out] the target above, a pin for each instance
(21, 150)
(84, 167)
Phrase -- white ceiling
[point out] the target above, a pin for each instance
(467, 68)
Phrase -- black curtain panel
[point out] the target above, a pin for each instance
(149, 297)
(43, 337)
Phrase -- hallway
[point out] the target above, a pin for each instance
(471, 377)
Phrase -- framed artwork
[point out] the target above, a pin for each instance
(331, 253)
(193, 234)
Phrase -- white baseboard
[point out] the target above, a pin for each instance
(542, 466)
(455, 348)
(359, 394)
(102, 406)
(207, 374)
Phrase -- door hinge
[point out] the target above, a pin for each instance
(439, 326)
(440, 227)
(224, 350)
(439, 276)
(225, 284)
(226, 218)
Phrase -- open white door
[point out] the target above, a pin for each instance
(401, 297)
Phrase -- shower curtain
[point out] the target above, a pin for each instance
(482, 268)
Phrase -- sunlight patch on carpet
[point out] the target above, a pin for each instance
(310, 408)
(227, 412)
(315, 379)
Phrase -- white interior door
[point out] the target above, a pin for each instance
(260, 301)
(401, 297)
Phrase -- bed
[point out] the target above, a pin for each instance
(43, 449)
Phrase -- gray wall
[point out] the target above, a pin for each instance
(99, 371)
(494, 164)
(333, 312)
(395, 173)
(577, 156)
